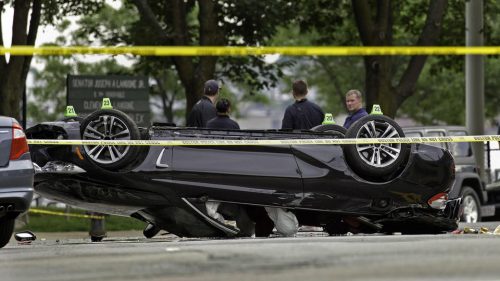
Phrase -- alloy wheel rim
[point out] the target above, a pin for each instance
(471, 213)
(378, 155)
(106, 127)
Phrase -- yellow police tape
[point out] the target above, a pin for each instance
(248, 51)
(236, 142)
(45, 212)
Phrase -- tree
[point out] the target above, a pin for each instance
(214, 23)
(378, 24)
(48, 99)
(13, 72)
(27, 18)
(376, 30)
(110, 26)
(439, 97)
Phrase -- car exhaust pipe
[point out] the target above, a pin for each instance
(2, 208)
(10, 208)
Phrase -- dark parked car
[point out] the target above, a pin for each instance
(468, 184)
(16, 176)
(358, 188)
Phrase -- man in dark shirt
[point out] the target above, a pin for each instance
(222, 120)
(303, 114)
(354, 103)
(204, 109)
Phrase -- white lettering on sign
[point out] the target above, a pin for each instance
(127, 84)
(125, 105)
(115, 94)
(103, 83)
(91, 105)
(82, 83)
(119, 83)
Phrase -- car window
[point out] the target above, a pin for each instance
(460, 149)
(413, 134)
(417, 134)
(436, 134)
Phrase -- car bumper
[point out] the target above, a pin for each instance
(16, 187)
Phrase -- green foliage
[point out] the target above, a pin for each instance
(55, 11)
(331, 21)
(240, 23)
(48, 99)
(49, 96)
(440, 97)
(108, 26)
(253, 23)
(441, 85)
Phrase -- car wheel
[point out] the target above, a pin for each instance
(151, 230)
(96, 238)
(376, 162)
(6, 230)
(336, 130)
(471, 205)
(110, 124)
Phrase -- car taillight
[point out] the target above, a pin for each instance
(438, 201)
(19, 143)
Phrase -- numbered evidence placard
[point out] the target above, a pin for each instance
(129, 94)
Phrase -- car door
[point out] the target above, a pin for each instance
(262, 175)
(328, 182)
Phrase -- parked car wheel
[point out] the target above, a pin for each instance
(336, 130)
(96, 238)
(376, 161)
(110, 124)
(471, 205)
(6, 230)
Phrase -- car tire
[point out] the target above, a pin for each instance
(110, 124)
(471, 206)
(336, 130)
(151, 230)
(96, 238)
(6, 230)
(376, 162)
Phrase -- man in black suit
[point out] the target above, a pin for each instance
(204, 109)
(302, 114)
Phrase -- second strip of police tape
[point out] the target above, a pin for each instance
(237, 142)
(64, 214)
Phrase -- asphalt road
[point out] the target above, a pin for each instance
(310, 256)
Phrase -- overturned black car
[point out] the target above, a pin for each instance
(358, 188)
